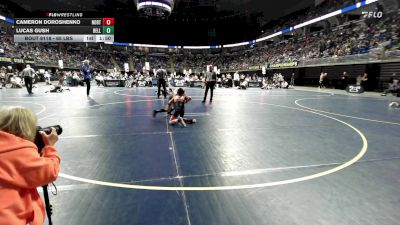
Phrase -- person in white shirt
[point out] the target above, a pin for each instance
(280, 80)
(361, 78)
(99, 79)
(322, 79)
(242, 77)
(47, 77)
(141, 77)
(187, 80)
(265, 84)
(284, 84)
(236, 79)
(219, 81)
(244, 84)
(2, 78)
(16, 81)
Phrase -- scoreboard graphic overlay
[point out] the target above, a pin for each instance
(64, 27)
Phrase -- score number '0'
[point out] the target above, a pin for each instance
(108, 25)
(108, 30)
(108, 21)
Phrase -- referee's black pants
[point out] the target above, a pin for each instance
(87, 82)
(159, 83)
(28, 84)
(210, 85)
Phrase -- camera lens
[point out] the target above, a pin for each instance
(58, 129)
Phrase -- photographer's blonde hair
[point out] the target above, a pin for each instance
(19, 121)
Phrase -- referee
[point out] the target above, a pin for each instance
(161, 76)
(211, 78)
(28, 73)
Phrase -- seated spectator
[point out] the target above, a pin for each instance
(265, 84)
(394, 88)
(47, 78)
(2, 77)
(99, 80)
(361, 79)
(285, 84)
(244, 84)
(75, 79)
(16, 82)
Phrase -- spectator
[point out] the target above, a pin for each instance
(361, 79)
(394, 88)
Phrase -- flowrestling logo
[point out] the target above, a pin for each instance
(371, 14)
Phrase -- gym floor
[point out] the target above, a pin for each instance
(254, 157)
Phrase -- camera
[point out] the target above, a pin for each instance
(39, 139)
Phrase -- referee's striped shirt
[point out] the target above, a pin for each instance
(209, 76)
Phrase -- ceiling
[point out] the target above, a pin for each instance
(193, 22)
(269, 9)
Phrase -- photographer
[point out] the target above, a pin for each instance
(22, 168)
